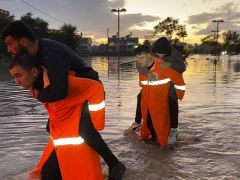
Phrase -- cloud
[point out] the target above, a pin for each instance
(228, 12)
(206, 1)
(130, 21)
(92, 17)
(116, 3)
(96, 17)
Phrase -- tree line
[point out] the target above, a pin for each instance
(209, 44)
(67, 33)
(230, 44)
(171, 27)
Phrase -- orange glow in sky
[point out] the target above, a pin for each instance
(93, 18)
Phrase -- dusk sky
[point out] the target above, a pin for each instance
(93, 17)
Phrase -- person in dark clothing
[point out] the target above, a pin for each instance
(176, 60)
(59, 60)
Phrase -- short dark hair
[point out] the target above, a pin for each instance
(142, 49)
(26, 61)
(19, 29)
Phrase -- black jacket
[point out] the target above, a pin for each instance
(59, 60)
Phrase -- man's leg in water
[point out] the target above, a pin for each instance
(151, 128)
(173, 111)
(138, 116)
(173, 107)
(50, 169)
(93, 138)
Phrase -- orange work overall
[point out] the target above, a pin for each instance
(77, 160)
(155, 100)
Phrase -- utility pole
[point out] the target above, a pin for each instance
(218, 49)
(118, 47)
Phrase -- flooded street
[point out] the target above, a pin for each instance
(209, 123)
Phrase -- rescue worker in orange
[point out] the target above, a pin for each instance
(66, 156)
(155, 88)
(59, 60)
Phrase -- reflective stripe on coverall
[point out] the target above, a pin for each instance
(77, 160)
(155, 100)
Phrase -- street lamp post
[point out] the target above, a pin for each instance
(218, 52)
(217, 21)
(118, 47)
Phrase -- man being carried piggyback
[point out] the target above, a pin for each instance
(59, 60)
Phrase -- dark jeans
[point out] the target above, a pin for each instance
(173, 107)
(138, 116)
(93, 138)
(150, 127)
(50, 169)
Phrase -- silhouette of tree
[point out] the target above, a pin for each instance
(181, 32)
(70, 35)
(4, 22)
(170, 27)
(38, 25)
(231, 42)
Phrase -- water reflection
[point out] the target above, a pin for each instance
(4, 75)
(237, 66)
(209, 123)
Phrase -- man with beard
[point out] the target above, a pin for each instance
(60, 60)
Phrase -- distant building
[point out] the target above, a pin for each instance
(85, 46)
(127, 45)
(4, 13)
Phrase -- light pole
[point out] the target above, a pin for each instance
(217, 21)
(118, 47)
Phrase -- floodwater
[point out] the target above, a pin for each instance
(209, 123)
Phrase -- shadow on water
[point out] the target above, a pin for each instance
(237, 66)
(208, 147)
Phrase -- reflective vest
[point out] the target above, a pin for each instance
(155, 99)
(77, 161)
